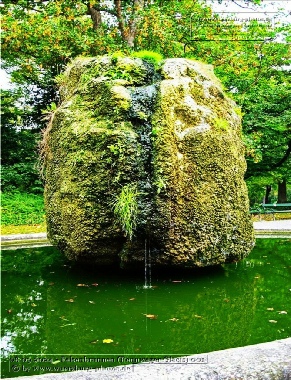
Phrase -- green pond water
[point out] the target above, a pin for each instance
(57, 316)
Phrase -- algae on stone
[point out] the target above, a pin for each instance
(168, 141)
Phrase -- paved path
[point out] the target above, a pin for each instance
(274, 225)
(14, 237)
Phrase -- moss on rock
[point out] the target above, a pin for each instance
(171, 135)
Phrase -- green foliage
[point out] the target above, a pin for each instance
(39, 38)
(125, 209)
(22, 208)
(116, 55)
(19, 146)
(266, 126)
(149, 56)
(22, 177)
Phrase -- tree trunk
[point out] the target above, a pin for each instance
(128, 29)
(95, 17)
(282, 191)
(267, 194)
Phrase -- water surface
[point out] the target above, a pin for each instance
(55, 314)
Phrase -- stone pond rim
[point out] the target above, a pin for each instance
(142, 159)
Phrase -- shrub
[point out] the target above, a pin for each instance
(21, 177)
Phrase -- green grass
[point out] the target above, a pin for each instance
(125, 209)
(268, 217)
(18, 209)
(149, 56)
(23, 229)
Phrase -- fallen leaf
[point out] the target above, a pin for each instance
(151, 316)
(63, 318)
(272, 321)
(173, 319)
(131, 299)
(95, 284)
(107, 340)
(33, 305)
(70, 300)
(51, 283)
(226, 300)
(198, 316)
(92, 302)
(257, 276)
(94, 341)
(270, 308)
(9, 311)
(68, 324)
(283, 312)
(82, 285)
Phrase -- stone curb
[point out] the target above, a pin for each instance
(262, 361)
(41, 235)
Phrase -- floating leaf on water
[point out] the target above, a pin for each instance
(68, 324)
(33, 305)
(283, 312)
(19, 299)
(92, 302)
(151, 316)
(198, 316)
(56, 362)
(107, 340)
(70, 300)
(272, 321)
(270, 308)
(131, 299)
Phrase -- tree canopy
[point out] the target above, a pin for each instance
(40, 37)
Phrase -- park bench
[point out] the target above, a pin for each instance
(271, 208)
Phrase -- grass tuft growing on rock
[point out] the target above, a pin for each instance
(125, 209)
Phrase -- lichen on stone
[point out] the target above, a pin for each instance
(136, 153)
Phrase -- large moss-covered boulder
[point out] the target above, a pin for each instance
(141, 159)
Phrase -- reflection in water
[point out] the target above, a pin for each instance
(52, 308)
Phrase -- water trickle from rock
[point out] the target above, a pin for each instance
(147, 265)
